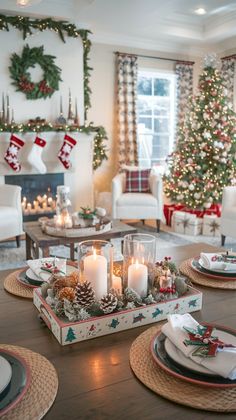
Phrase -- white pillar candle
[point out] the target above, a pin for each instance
(58, 221)
(95, 271)
(117, 284)
(36, 204)
(138, 278)
(68, 222)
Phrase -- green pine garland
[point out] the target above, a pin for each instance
(28, 26)
(99, 152)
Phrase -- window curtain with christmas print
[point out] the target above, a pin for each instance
(184, 84)
(127, 74)
(228, 72)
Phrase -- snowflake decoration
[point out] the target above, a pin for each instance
(66, 148)
(13, 150)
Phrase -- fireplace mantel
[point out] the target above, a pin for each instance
(79, 177)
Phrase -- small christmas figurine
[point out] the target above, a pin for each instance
(70, 118)
(61, 119)
(3, 114)
(76, 119)
(8, 111)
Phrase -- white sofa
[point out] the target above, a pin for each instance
(228, 216)
(134, 205)
(10, 212)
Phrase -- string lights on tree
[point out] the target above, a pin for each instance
(205, 157)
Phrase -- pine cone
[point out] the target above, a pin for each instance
(108, 303)
(66, 293)
(85, 294)
(132, 296)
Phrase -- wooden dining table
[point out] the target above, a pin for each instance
(95, 378)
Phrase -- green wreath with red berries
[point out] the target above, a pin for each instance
(19, 71)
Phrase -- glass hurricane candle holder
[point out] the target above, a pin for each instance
(63, 217)
(95, 263)
(139, 253)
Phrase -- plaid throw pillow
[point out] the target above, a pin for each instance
(137, 181)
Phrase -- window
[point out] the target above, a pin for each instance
(156, 117)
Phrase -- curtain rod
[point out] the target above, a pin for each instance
(154, 57)
(228, 57)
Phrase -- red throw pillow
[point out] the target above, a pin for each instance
(137, 181)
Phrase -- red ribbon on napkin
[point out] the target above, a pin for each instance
(202, 337)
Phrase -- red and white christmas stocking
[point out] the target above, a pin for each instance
(35, 155)
(65, 151)
(11, 155)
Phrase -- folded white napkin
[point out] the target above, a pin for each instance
(223, 364)
(210, 261)
(45, 267)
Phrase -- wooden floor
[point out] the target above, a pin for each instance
(95, 379)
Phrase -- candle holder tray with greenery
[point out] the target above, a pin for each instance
(69, 307)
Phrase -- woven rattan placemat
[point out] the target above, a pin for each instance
(13, 286)
(42, 390)
(198, 278)
(181, 392)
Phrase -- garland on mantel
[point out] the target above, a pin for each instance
(28, 27)
(99, 149)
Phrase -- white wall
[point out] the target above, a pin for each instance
(103, 111)
(69, 57)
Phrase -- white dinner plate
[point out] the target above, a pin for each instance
(178, 357)
(32, 276)
(5, 373)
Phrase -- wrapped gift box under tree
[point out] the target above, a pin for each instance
(211, 225)
(170, 208)
(186, 223)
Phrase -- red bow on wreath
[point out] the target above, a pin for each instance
(208, 344)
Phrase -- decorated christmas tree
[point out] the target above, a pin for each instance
(205, 157)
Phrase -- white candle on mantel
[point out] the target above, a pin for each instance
(138, 278)
(117, 284)
(95, 271)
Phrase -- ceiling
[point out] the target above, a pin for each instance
(169, 25)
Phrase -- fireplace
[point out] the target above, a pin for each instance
(38, 193)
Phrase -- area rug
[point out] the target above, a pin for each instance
(13, 257)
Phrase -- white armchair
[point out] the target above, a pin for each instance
(228, 216)
(10, 212)
(132, 205)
